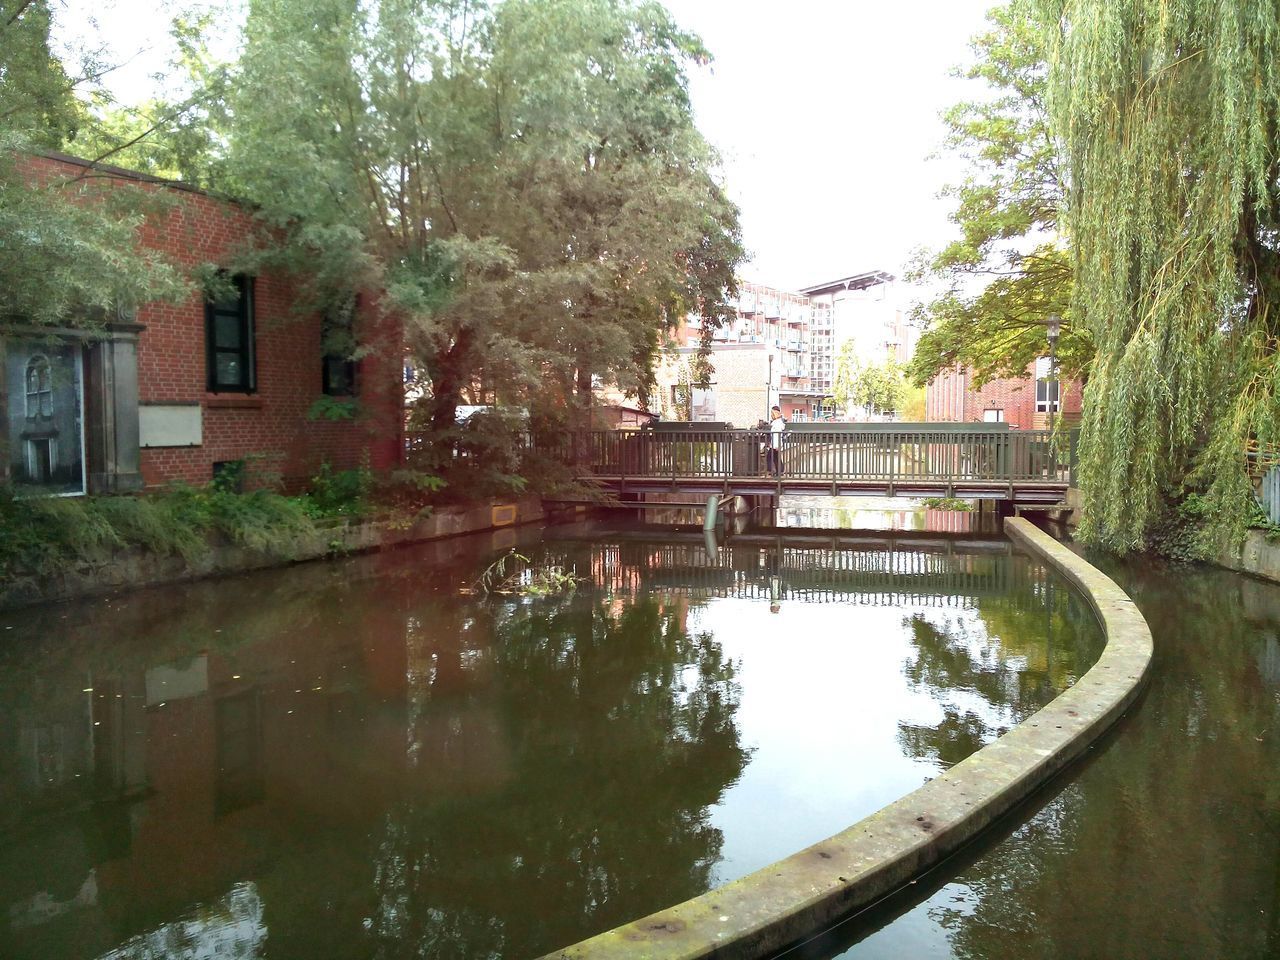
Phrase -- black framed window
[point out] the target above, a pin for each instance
(229, 338)
(338, 340)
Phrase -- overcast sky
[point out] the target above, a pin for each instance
(825, 111)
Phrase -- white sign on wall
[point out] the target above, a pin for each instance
(170, 425)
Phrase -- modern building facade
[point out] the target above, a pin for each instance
(176, 392)
(782, 348)
(864, 309)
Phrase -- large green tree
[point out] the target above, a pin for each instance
(524, 181)
(1169, 118)
(1009, 269)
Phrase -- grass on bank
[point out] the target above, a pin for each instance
(45, 535)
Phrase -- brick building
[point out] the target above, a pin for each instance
(1022, 403)
(177, 391)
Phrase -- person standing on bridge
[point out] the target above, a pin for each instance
(773, 459)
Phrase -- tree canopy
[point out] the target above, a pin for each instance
(1010, 267)
(874, 387)
(1168, 117)
(61, 237)
(524, 182)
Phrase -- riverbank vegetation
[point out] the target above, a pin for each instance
(1169, 123)
(522, 183)
(42, 536)
(1124, 177)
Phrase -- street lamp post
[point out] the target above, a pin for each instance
(768, 390)
(1054, 329)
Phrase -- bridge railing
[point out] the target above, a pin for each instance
(890, 456)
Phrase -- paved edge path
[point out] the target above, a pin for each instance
(808, 891)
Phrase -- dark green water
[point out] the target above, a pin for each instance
(369, 759)
(1165, 842)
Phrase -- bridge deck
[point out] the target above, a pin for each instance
(961, 460)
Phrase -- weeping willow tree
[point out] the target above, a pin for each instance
(1167, 114)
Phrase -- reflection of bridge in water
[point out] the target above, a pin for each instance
(929, 571)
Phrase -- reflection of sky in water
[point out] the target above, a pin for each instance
(822, 708)
(502, 776)
(228, 929)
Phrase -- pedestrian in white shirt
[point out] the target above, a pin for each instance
(773, 460)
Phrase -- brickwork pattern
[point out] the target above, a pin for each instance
(952, 397)
(270, 427)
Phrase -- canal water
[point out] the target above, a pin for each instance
(1163, 843)
(378, 758)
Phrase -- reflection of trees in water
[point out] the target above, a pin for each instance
(1167, 845)
(617, 730)
(988, 675)
(530, 771)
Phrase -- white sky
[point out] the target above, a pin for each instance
(825, 111)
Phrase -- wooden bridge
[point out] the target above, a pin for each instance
(977, 461)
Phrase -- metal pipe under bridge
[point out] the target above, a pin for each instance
(974, 461)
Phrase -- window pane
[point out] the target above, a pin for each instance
(231, 304)
(338, 376)
(229, 370)
(226, 331)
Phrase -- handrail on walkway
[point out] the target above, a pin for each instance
(932, 452)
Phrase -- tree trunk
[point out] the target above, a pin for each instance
(584, 390)
(450, 372)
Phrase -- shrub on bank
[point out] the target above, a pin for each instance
(44, 535)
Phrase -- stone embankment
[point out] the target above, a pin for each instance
(128, 569)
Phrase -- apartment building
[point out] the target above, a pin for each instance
(782, 348)
(762, 358)
(864, 309)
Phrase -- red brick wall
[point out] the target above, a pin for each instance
(951, 397)
(270, 427)
(944, 397)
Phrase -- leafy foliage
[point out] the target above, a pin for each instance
(515, 573)
(69, 254)
(954, 504)
(1169, 118)
(1009, 269)
(877, 388)
(524, 182)
(49, 535)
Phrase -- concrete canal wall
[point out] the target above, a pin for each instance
(808, 891)
(128, 569)
(1258, 556)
